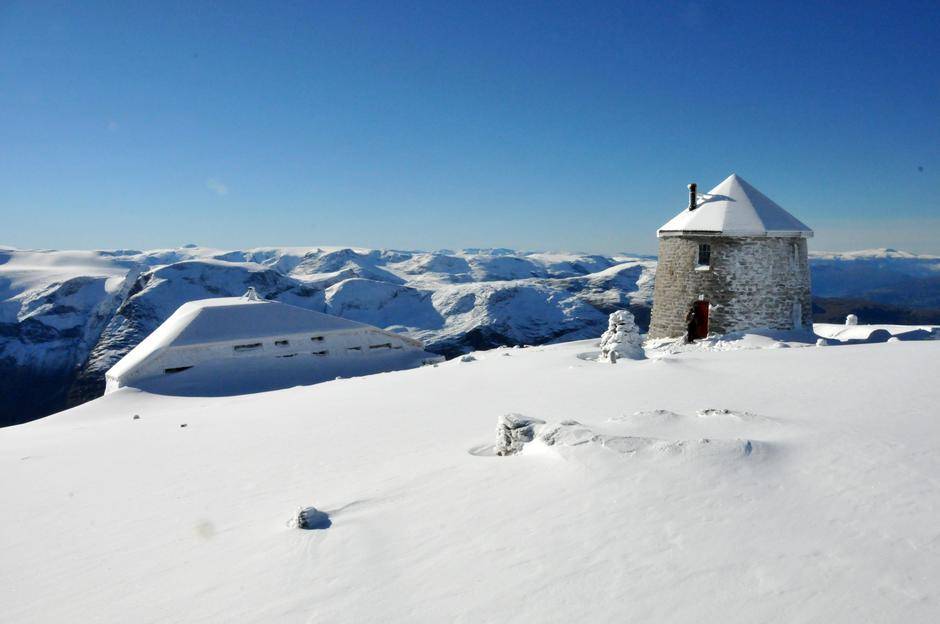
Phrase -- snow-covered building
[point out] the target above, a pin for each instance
(235, 341)
(733, 260)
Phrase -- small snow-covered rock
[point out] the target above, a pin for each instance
(851, 319)
(468, 358)
(822, 342)
(311, 518)
(513, 431)
(622, 338)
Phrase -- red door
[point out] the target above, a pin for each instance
(701, 319)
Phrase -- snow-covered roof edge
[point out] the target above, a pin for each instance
(175, 326)
(735, 208)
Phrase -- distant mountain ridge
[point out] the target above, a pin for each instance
(68, 316)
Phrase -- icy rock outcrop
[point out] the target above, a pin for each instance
(622, 338)
(513, 431)
(851, 319)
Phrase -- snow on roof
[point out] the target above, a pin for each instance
(230, 318)
(735, 208)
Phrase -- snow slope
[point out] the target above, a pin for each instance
(768, 485)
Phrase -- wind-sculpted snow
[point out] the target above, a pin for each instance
(514, 432)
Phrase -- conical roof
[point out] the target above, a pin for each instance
(735, 208)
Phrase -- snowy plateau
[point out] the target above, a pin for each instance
(721, 484)
(68, 316)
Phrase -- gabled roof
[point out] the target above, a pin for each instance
(231, 318)
(735, 208)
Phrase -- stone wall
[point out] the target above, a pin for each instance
(751, 282)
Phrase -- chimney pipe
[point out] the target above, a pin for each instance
(693, 199)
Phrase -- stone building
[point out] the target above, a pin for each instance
(733, 260)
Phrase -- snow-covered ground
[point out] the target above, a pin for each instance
(753, 485)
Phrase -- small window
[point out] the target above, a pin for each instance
(316, 338)
(384, 345)
(281, 343)
(320, 353)
(796, 254)
(704, 255)
(175, 369)
(247, 347)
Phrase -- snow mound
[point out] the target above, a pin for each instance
(622, 338)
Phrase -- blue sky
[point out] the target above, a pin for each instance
(443, 125)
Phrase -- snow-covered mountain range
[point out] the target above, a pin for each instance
(67, 316)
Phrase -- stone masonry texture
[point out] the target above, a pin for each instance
(752, 282)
